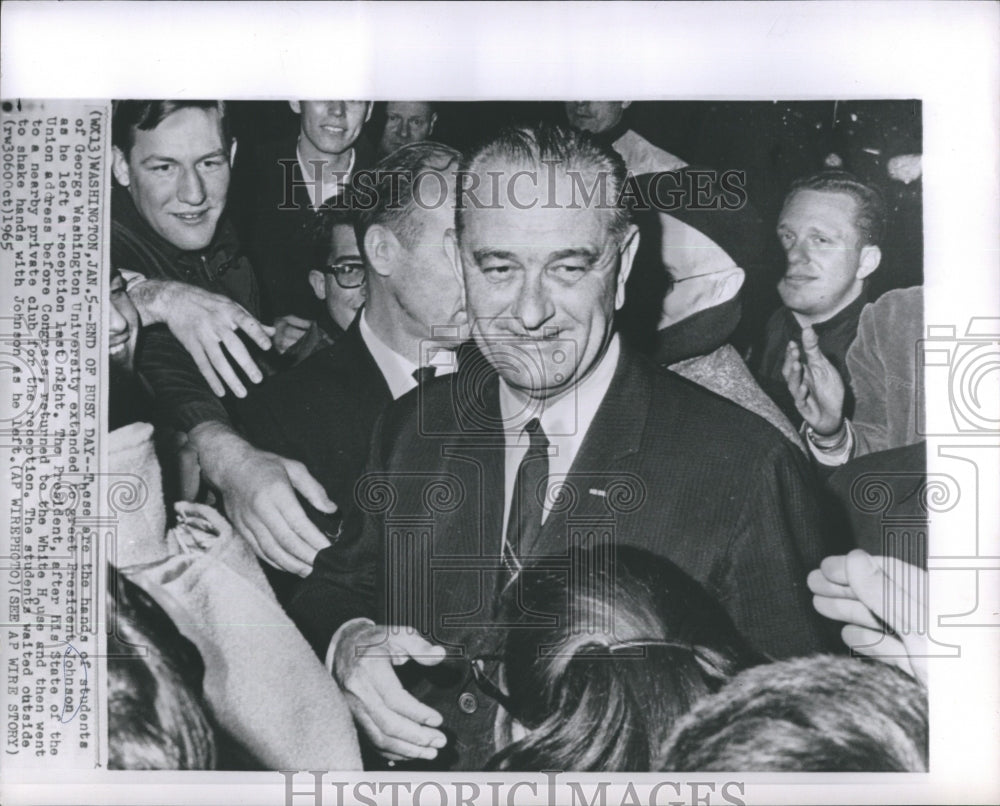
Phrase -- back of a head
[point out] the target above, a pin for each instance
(633, 644)
(156, 715)
(388, 194)
(817, 714)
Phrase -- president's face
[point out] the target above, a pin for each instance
(542, 284)
(178, 176)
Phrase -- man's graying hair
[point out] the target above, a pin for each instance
(541, 144)
(384, 195)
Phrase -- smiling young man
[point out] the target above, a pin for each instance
(551, 433)
(279, 187)
(194, 289)
(830, 228)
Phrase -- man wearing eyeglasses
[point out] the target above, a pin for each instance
(322, 411)
(338, 281)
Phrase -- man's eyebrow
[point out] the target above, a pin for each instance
(219, 152)
(584, 252)
(482, 254)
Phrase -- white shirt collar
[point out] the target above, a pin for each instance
(568, 416)
(328, 187)
(398, 369)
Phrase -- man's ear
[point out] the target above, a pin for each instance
(381, 246)
(318, 282)
(232, 153)
(454, 256)
(626, 105)
(296, 107)
(630, 244)
(119, 167)
(871, 256)
(434, 120)
(368, 114)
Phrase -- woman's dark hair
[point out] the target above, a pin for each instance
(604, 655)
(818, 714)
(157, 718)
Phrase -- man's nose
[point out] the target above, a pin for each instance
(533, 306)
(797, 254)
(582, 107)
(192, 188)
(117, 323)
(336, 108)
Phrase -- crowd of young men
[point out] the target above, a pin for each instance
(405, 398)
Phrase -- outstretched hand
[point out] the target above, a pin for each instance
(398, 725)
(259, 493)
(814, 384)
(868, 592)
(204, 323)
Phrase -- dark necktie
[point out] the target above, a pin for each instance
(423, 374)
(530, 485)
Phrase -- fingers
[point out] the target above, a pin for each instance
(810, 345)
(834, 568)
(270, 331)
(850, 611)
(205, 368)
(821, 586)
(240, 355)
(221, 365)
(393, 748)
(249, 325)
(396, 712)
(412, 645)
(874, 644)
(310, 489)
(265, 544)
(889, 587)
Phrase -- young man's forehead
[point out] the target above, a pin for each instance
(178, 129)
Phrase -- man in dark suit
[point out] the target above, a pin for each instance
(322, 412)
(555, 434)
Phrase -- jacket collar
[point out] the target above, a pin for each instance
(222, 249)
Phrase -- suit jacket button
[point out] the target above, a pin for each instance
(468, 703)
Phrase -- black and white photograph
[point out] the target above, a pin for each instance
(500, 445)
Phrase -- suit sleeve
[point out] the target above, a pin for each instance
(868, 376)
(343, 583)
(183, 396)
(781, 536)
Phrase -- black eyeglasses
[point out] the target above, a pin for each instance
(347, 275)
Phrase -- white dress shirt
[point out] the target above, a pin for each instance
(565, 421)
(398, 369)
(328, 186)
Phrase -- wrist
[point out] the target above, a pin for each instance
(151, 300)
(218, 447)
(828, 441)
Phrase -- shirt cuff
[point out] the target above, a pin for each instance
(332, 649)
(839, 454)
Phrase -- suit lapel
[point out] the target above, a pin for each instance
(598, 474)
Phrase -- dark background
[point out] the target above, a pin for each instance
(774, 142)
